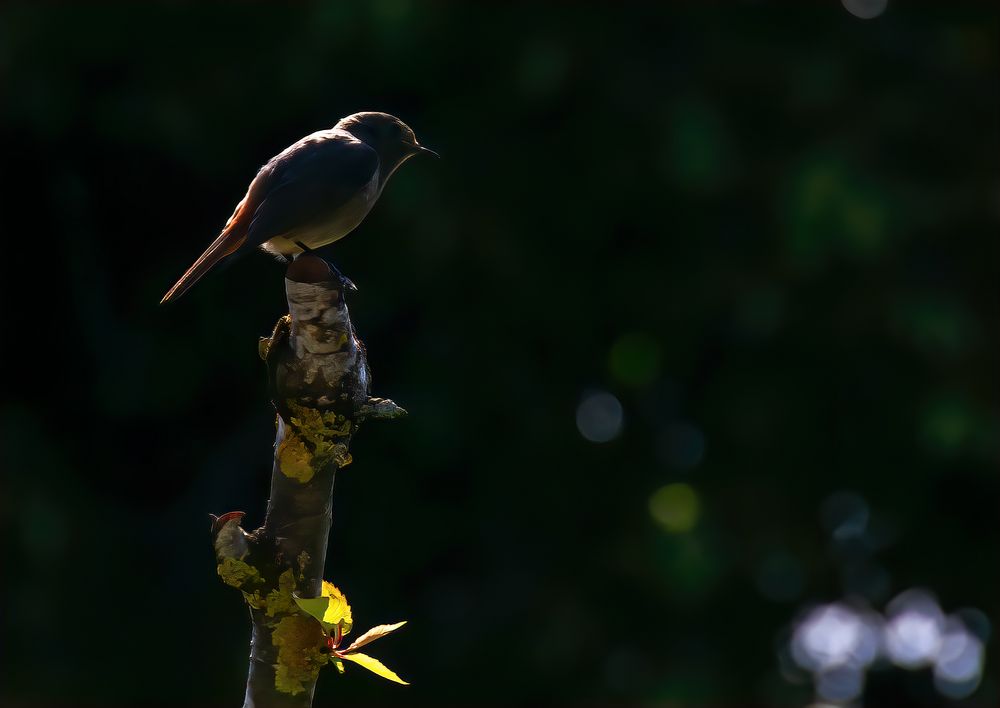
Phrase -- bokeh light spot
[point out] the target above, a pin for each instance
(840, 684)
(635, 359)
(600, 417)
(832, 210)
(675, 507)
(936, 324)
(959, 663)
(865, 9)
(689, 565)
(839, 642)
(835, 635)
(913, 633)
(975, 621)
(947, 424)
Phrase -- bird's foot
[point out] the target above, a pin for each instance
(345, 282)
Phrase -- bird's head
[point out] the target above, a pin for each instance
(390, 137)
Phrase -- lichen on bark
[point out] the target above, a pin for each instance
(299, 640)
(237, 573)
(280, 599)
(312, 440)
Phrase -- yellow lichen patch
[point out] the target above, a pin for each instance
(236, 572)
(308, 420)
(254, 600)
(318, 428)
(341, 426)
(280, 600)
(299, 639)
(310, 442)
(294, 459)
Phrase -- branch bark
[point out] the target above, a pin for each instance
(319, 383)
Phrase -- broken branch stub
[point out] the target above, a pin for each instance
(320, 362)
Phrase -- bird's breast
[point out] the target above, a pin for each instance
(334, 225)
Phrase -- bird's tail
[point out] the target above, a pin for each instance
(227, 242)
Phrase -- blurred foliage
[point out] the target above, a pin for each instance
(767, 229)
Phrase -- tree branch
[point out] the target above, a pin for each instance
(318, 380)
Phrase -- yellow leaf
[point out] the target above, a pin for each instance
(331, 608)
(374, 633)
(375, 666)
(337, 611)
(330, 590)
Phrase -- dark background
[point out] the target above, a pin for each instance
(768, 229)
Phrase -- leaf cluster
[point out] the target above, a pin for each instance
(333, 613)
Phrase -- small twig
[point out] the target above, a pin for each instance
(381, 409)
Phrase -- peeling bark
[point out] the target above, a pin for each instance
(319, 382)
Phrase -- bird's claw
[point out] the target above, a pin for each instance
(345, 282)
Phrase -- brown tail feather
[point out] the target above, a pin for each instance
(228, 241)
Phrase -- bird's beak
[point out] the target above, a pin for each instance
(418, 149)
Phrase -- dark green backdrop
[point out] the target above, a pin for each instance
(767, 229)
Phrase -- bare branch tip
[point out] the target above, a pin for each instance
(308, 268)
(381, 409)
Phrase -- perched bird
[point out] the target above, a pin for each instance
(313, 192)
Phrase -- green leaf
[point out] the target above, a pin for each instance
(375, 666)
(374, 633)
(315, 606)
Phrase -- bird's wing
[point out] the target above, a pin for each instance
(309, 182)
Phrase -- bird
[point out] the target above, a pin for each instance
(313, 192)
